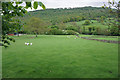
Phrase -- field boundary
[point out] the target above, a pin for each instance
(107, 41)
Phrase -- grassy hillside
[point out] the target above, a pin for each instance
(94, 24)
(58, 15)
(85, 28)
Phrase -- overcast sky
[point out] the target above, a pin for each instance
(72, 3)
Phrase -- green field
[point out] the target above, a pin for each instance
(56, 56)
(94, 24)
(113, 38)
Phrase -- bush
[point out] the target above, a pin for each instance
(114, 30)
(71, 32)
(54, 26)
(87, 22)
(55, 31)
(90, 29)
(71, 28)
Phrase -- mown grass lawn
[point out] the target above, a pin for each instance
(57, 56)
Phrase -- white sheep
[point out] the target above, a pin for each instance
(27, 43)
(30, 43)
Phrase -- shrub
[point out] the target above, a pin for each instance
(54, 26)
(87, 22)
(90, 29)
(114, 30)
(71, 32)
(71, 28)
(55, 31)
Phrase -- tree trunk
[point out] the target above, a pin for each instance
(18, 34)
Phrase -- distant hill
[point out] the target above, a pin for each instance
(64, 15)
(85, 20)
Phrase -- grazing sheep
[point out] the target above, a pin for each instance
(27, 43)
(30, 43)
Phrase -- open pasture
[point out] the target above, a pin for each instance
(59, 56)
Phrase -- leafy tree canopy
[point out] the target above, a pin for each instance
(9, 23)
(114, 10)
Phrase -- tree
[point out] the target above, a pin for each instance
(87, 22)
(102, 18)
(9, 11)
(61, 26)
(37, 25)
(114, 10)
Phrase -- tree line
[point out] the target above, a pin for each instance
(53, 21)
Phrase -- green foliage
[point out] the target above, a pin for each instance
(54, 26)
(9, 12)
(55, 31)
(113, 10)
(90, 29)
(114, 30)
(42, 5)
(6, 41)
(97, 31)
(28, 4)
(102, 18)
(36, 26)
(56, 16)
(71, 28)
(87, 22)
(70, 32)
(35, 5)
